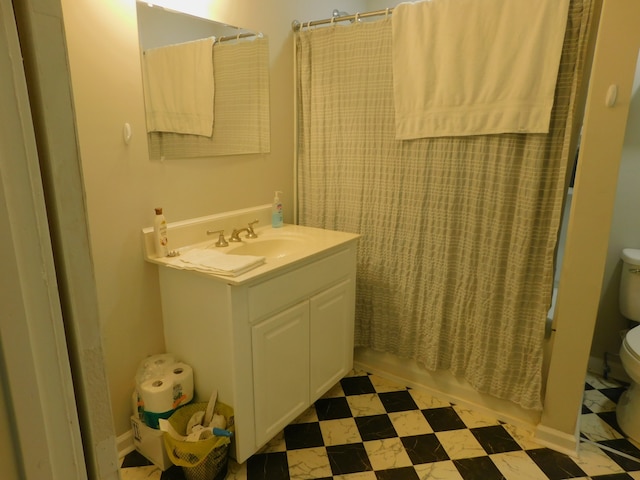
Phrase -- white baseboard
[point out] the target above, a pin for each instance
(124, 444)
(556, 440)
(444, 385)
(616, 371)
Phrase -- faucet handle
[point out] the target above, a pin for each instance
(250, 232)
(221, 240)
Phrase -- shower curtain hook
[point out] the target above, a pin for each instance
(357, 17)
(309, 25)
(333, 20)
(386, 13)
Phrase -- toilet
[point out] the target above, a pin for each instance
(628, 409)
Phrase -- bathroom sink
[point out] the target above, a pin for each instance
(289, 246)
(268, 247)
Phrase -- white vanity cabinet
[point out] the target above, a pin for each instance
(270, 346)
(299, 354)
(280, 370)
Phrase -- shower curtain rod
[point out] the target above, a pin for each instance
(296, 25)
(238, 36)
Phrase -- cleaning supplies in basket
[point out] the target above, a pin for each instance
(204, 459)
(202, 425)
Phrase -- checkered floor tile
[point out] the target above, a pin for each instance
(367, 428)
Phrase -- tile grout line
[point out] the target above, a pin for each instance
(609, 449)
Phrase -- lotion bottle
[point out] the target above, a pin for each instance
(160, 234)
(276, 211)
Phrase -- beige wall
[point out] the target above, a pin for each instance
(8, 453)
(625, 232)
(122, 186)
(591, 214)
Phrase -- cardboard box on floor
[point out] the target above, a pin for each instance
(148, 441)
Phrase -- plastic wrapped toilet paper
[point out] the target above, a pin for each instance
(161, 394)
(154, 366)
(162, 385)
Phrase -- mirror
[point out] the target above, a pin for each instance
(239, 92)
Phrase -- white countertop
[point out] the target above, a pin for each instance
(301, 245)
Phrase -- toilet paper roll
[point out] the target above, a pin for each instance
(182, 377)
(157, 394)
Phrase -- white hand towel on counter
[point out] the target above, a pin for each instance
(476, 67)
(179, 88)
(211, 261)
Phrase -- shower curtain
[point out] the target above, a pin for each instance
(455, 263)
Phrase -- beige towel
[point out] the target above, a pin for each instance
(218, 263)
(178, 88)
(241, 110)
(475, 67)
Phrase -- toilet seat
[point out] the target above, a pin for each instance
(632, 343)
(630, 256)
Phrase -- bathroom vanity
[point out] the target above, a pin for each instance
(272, 340)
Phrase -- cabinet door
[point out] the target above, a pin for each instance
(331, 337)
(280, 370)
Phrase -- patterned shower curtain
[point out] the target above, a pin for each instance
(455, 264)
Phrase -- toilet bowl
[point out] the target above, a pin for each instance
(628, 408)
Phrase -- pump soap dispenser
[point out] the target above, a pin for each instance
(276, 211)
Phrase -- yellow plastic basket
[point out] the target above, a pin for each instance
(205, 459)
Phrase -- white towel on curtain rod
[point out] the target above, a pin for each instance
(474, 67)
(179, 88)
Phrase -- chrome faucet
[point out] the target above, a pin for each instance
(235, 235)
(221, 241)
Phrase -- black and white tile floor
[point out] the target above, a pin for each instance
(367, 428)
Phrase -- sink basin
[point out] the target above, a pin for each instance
(268, 247)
